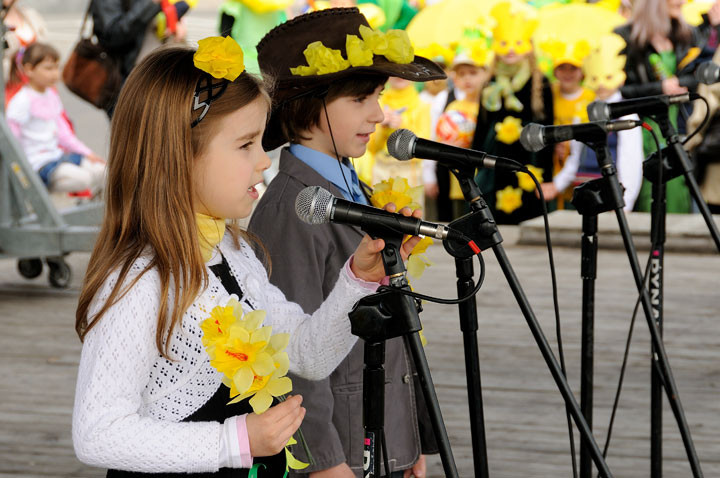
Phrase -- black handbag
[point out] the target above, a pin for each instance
(92, 72)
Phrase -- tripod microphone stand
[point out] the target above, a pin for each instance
(375, 319)
(480, 226)
(658, 170)
(600, 195)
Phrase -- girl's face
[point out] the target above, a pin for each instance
(675, 8)
(43, 75)
(569, 76)
(228, 171)
(511, 58)
(352, 120)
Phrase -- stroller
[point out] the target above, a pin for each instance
(32, 229)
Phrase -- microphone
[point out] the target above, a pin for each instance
(403, 145)
(315, 205)
(708, 73)
(644, 106)
(535, 137)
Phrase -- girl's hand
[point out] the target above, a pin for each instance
(367, 263)
(549, 190)
(714, 14)
(268, 433)
(94, 158)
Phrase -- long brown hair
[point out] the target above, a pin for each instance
(651, 17)
(149, 193)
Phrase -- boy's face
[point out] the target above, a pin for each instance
(228, 171)
(352, 120)
(468, 78)
(569, 76)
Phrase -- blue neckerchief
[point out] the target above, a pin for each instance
(327, 167)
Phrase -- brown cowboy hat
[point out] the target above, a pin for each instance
(282, 48)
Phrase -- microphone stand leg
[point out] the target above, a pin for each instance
(469, 328)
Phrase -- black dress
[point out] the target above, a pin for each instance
(217, 410)
(489, 180)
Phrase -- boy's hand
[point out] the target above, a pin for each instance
(417, 470)
(340, 471)
(268, 433)
(367, 263)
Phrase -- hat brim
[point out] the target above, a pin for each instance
(288, 89)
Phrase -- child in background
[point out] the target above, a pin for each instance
(518, 94)
(327, 116)
(402, 108)
(148, 399)
(456, 125)
(570, 101)
(604, 74)
(35, 116)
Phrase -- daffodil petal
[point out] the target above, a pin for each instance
(278, 342)
(263, 365)
(243, 379)
(261, 402)
(254, 319)
(279, 386)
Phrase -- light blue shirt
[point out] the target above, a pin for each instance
(327, 167)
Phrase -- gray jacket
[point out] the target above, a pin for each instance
(306, 260)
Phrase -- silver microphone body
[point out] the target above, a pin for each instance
(535, 137)
(315, 205)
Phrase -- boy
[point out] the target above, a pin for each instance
(327, 108)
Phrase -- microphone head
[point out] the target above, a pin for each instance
(401, 143)
(708, 73)
(531, 137)
(313, 205)
(598, 111)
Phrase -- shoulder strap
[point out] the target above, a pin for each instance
(85, 19)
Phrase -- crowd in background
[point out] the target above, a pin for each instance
(509, 63)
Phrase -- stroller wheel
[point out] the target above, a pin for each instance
(30, 268)
(60, 273)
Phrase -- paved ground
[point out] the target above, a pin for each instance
(524, 414)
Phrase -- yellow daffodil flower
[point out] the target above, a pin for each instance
(321, 60)
(525, 182)
(221, 57)
(358, 53)
(397, 191)
(418, 261)
(291, 461)
(509, 130)
(508, 199)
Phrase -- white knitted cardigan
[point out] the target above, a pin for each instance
(130, 401)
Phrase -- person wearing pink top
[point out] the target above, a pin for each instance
(35, 116)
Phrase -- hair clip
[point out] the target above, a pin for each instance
(205, 84)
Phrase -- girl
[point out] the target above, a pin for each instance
(661, 53)
(518, 94)
(35, 116)
(185, 155)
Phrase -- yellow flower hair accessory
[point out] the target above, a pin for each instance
(514, 28)
(509, 130)
(605, 66)
(508, 199)
(321, 60)
(525, 181)
(221, 57)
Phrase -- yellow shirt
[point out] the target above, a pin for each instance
(571, 111)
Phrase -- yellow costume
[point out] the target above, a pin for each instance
(377, 165)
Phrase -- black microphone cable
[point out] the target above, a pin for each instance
(628, 341)
(556, 308)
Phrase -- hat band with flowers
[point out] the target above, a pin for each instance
(221, 58)
(394, 45)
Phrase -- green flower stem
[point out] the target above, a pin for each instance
(301, 438)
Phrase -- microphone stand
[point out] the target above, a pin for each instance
(675, 163)
(600, 195)
(375, 319)
(480, 226)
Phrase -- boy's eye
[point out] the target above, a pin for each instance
(360, 99)
(246, 145)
